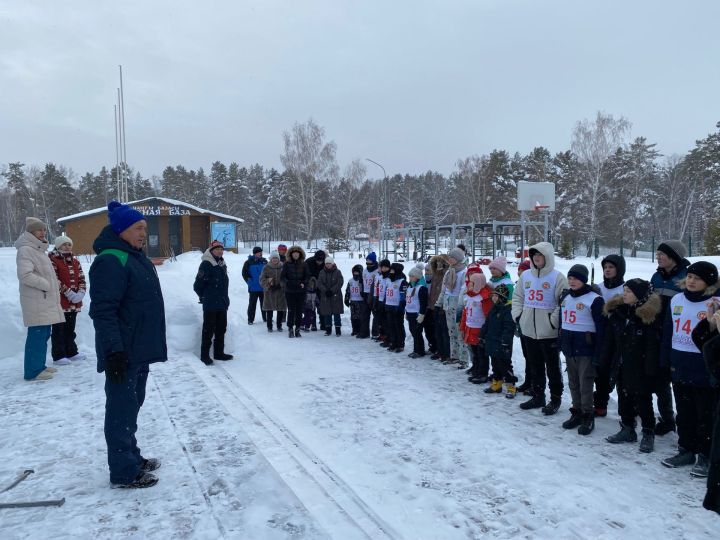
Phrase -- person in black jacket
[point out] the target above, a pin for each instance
(314, 264)
(707, 339)
(128, 313)
(416, 304)
(631, 358)
(496, 338)
(211, 286)
(294, 276)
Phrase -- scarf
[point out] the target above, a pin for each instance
(450, 278)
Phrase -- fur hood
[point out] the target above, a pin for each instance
(207, 256)
(710, 291)
(647, 313)
(437, 261)
(293, 249)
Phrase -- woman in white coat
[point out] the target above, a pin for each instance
(39, 297)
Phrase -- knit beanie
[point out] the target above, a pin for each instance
(320, 255)
(499, 263)
(60, 240)
(371, 257)
(274, 255)
(674, 249)
(706, 271)
(524, 265)
(33, 224)
(215, 244)
(618, 261)
(579, 271)
(503, 292)
(640, 288)
(357, 269)
(457, 254)
(329, 260)
(122, 216)
(281, 247)
(417, 271)
(385, 262)
(256, 250)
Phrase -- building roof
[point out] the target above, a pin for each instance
(173, 202)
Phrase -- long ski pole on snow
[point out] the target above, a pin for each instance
(33, 504)
(22, 476)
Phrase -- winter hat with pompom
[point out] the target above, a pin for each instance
(499, 263)
(62, 239)
(122, 216)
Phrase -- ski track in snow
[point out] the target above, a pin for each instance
(321, 437)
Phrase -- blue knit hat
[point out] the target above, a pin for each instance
(371, 257)
(121, 216)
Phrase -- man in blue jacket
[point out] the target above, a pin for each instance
(128, 313)
(251, 271)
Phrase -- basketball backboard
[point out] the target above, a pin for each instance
(532, 196)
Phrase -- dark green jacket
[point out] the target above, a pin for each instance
(499, 331)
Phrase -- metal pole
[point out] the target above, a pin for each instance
(384, 194)
(117, 154)
(124, 147)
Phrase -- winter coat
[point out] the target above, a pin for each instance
(127, 305)
(506, 280)
(686, 367)
(313, 267)
(294, 274)
(39, 287)
(251, 271)
(632, 343)
(211, 283)
(539, 323)
(498, 331)
(573, 344)
(274, 297)
(330, 280)
(708, 341)
(70, 276)
(667, 284)
(438, 265)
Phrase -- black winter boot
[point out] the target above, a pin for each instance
(588, 424)
(626, 434)
(535, 402)
(682, 459)
(143, 480)
(647, 443)
(574, 421)
(222, 356)
(297, 332)
(291, 334)
(337, 331)
(552, 407)
(328, 331)
(663, 427)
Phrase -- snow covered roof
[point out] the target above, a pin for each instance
(172, 202)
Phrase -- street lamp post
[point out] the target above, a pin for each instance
(383, 205)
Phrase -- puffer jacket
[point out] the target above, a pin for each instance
(127, 306)
(211, 283)
(70, 276)
(274, 297)
(39, 287)
(539, 323)
(251, 271)
(294, 274)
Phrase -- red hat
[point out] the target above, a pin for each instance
(282, 247)
(525, 265)
(215, 244)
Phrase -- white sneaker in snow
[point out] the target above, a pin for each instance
(61, 362)
(78, 356)
(51, 369)
(43, 376)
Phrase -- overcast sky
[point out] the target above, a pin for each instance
(414, 85)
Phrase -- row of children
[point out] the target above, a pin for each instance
(636, 336)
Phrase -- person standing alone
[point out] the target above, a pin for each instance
(128, 312)
(211, 286)
(251, 271)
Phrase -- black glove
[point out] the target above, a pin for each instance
(329, 294)
(116, 367)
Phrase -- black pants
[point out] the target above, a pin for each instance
(428, 325)
(528, 366)
(502, 369)
(442, 337)
(252, 304)
(269, 318)
(632, 404)
(360, 318)
(664, 399)
(378, 325)
(416, 333)
(295, 303)
(601, 396)
(712, 497)
(544, 356)
(368, 312)
(63, 337)
(122, 405)
(695, 410)
(476, 353)
(395, 322)
(214, 326)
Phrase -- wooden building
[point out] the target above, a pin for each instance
(174, 227)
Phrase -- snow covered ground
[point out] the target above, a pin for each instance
(321, 437)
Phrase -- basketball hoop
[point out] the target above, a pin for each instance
(539, 207)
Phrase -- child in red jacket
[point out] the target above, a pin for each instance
(72, 291)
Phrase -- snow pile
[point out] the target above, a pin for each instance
(321, 437)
